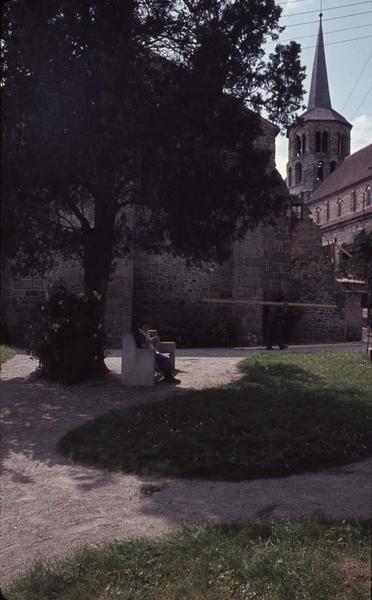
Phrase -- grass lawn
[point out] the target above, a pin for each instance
(290, 413)
(5, 354)
(312, 560)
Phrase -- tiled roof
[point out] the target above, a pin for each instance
(355, 168)
(319, 90)
(319, 113)
(319, 106)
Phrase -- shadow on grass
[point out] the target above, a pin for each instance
(279, 419)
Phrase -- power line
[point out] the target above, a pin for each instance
(325, 33)
(290, 2)
(340, 42)
(330, 19)
(357, 81)
(308, 12)
(362, 102)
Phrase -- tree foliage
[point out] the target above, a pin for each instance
(357, 262)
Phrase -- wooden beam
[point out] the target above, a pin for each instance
(341, 249)
(266, 302)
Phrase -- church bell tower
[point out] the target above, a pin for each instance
(320, 139)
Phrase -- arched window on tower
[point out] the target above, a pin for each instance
(327, 211)
(298, 146)
(338, 207)
(298, 173)
(318, 142)
(303, 140)
(368, 195)
(333, 166)
(324, 141)
(289, 176)
(342, 145)
(353, 201)
(317, 216)
(319, 170)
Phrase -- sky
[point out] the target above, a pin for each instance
(349, 63)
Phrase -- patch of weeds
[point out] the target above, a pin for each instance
(290, 560)
(148, 489)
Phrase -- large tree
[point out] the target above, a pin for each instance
(356, 258)
(134, 123)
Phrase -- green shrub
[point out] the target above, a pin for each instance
(6, 353)
(66, 337)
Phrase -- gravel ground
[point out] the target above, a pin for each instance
(51, 506)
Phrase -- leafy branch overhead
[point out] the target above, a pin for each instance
(357, 261)
(141, 103)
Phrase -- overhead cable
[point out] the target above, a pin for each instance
(291, 1)
(330, 19)
(314, 35)
(362, 102)
(364, 37)
(308, 12)
(357, 81)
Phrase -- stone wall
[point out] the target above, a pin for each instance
(166, 289)
(119, 302)
(261, 272)
(313, 280)
(353, 316)
(18, 298)
(21, 295)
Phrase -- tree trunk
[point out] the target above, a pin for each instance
(97, 268)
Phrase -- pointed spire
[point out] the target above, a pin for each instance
(319, 90)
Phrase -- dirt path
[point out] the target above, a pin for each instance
(51, 506)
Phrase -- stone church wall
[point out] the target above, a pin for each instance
(355, 207)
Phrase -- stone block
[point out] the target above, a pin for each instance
(34, 293)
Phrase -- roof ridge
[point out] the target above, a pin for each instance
(354, 168)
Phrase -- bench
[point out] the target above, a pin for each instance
(137, 364)
(369, 351)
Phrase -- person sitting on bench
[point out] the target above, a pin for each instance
(162, 362)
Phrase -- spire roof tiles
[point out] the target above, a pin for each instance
(319, 91)
(319, 105)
